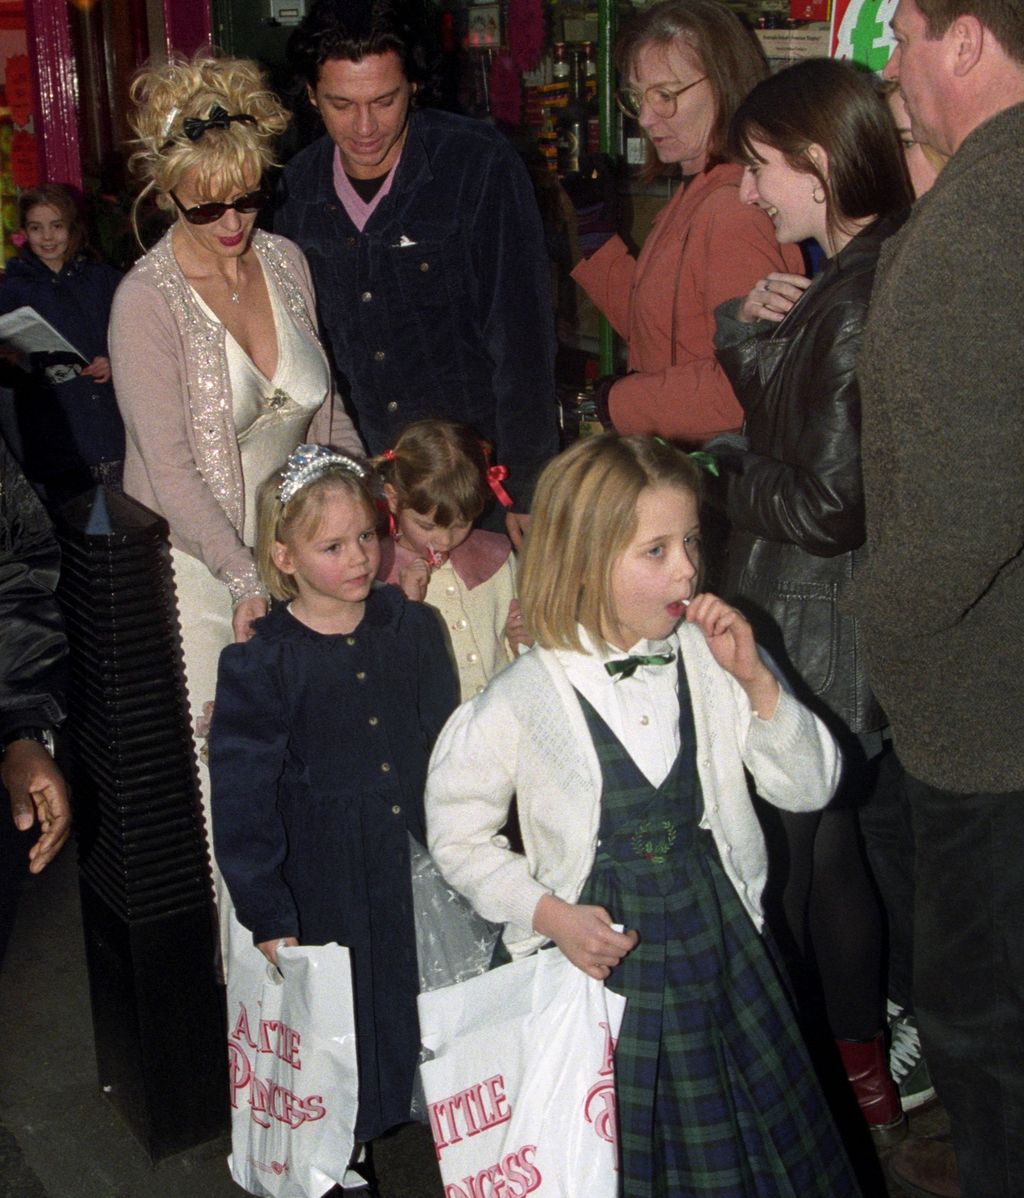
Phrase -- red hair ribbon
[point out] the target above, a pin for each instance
(496, 475)
(388, 455)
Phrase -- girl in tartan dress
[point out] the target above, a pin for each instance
(625, 735)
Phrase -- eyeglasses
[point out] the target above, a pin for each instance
(662, 98)
(206, 214)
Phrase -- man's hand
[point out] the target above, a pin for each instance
(38, 793)
(516, 524)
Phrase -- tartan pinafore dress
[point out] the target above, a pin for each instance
(714, 1089)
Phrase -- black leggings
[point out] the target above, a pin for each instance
(822, 909)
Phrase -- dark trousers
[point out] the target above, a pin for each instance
(887, 827)
(969, 975)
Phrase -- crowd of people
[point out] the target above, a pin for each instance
(761, 788)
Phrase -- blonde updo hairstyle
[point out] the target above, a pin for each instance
(227, 161)
(300, 518)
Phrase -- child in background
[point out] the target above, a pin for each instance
(68, 423)
(437, 481)
(322, 728)
(625, 735)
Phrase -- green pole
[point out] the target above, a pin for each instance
(606, 117)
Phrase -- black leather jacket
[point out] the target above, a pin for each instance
(795, 500)
(33, 651)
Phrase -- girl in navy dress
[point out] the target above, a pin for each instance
(624, 735)
(322, 729)
(70, 429)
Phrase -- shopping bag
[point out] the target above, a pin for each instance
(291, 1067)
(520, 1088)
(453, 943)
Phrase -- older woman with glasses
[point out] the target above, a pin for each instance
(213, 344)
(685, 66)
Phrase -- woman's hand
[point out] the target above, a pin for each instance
(269, 947)
(98, 369)
(414, 579)
(773, 297)
(731, 641)
(584, 934)
(515, 629)
(247, 610)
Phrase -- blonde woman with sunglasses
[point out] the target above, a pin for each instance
(213, 342)
(684, 67)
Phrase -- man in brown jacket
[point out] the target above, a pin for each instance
(942, 595)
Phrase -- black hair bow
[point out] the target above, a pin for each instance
(195, 126)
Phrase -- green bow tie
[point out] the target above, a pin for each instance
(626, 667)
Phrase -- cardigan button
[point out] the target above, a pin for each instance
(366, 296)
(350, 242)
(350, 640)
(392, 405)
(472, 657)
(385, 767)
(361, 676)
(424, 266)
(379, 355)
(373, 721)
(396, 810)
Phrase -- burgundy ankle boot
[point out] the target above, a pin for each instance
(867, 1067)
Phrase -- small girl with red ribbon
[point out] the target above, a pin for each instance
(437, 481)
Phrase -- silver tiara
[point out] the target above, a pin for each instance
(308, 463)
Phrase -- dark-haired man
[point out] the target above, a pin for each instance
(942, 594)
(426, 247)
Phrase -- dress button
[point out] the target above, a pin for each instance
(396, 810)
(392, 405)
(472, 657)
(366, 296)
(424, 266)
(379, 355)
(385, 767)
(350, 640)
(360, 676)
(644, 721)
(374, 721)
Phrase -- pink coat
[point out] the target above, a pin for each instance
(705, 247)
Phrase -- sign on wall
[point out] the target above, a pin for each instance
(861, 33)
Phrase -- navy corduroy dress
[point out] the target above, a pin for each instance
(318, 757)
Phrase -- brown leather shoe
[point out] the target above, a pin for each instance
(926, 1167)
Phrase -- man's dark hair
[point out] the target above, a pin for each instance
(1003, 18)
(353, 30)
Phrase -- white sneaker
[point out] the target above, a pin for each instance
(906, 1063)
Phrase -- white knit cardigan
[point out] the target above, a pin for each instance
(526, 735)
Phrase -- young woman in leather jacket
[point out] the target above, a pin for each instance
(823, 160)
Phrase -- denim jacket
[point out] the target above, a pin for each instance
(441, 305)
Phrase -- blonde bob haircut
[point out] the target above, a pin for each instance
(227, 161)
(300, 517)
(582, 519)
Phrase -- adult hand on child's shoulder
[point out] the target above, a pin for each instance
(584, 934)
(246, 611)
(731, 640)
(414, 579)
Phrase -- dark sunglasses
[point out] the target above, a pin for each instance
(206, 214)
